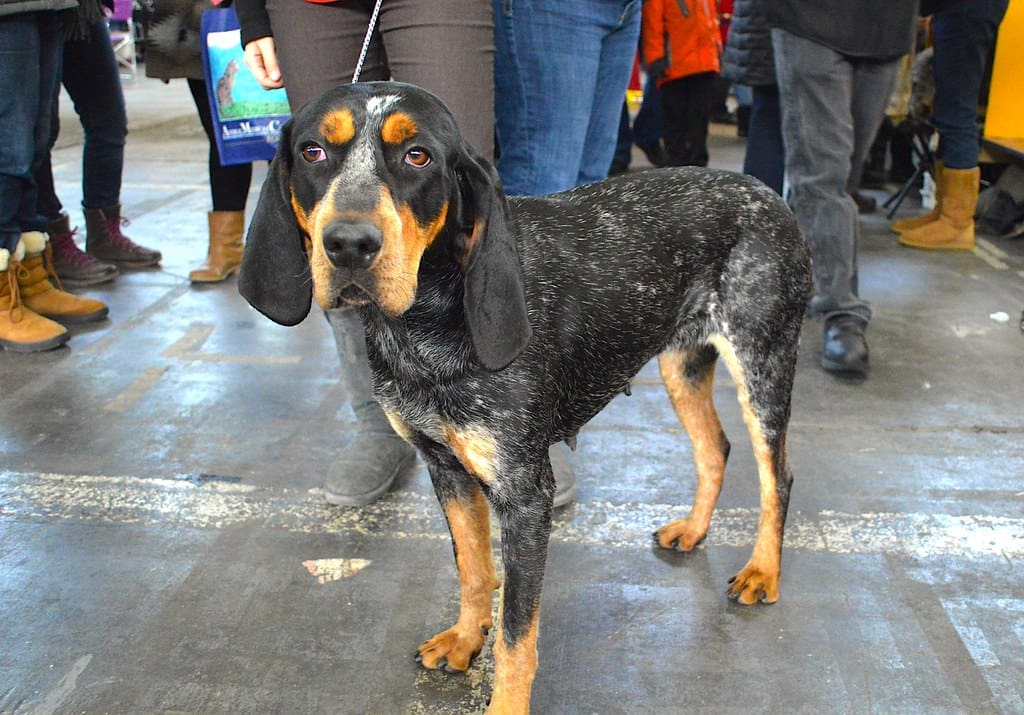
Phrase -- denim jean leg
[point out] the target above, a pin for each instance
(964, 36)
(616, 65)
(765, 157)
(547, 68)
(19, 85)
(816, 82)
(51, 52)
(93, 82)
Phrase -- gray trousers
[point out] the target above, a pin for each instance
(444, 46)
(832, 106)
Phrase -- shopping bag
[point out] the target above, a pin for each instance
(247, 119)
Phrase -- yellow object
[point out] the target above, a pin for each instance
(1004, 117)
(953, 230)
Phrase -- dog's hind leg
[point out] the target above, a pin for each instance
(763, 384)
(468, 517)
(689, 377)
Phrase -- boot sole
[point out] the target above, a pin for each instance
(79, 319)
(840, 368)
(227, 275)
(338, 499)
(38, 347)
(85, 282)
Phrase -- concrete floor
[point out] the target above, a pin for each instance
(164, 548)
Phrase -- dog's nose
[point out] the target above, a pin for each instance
(352, 244)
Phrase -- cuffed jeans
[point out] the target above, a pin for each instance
(30, 50)
(560, 72)
(964, 36)
(90, 75)
(832, 106)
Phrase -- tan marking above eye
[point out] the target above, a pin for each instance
(338, 126)
(397, 128)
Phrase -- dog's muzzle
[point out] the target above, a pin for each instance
(352, 245)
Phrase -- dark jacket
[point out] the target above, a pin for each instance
(252, 16)
(873, 29)
(172, 43)
(748, 57)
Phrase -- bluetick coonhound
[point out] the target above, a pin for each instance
(496, 327)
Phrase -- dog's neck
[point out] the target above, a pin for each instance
(429, 341)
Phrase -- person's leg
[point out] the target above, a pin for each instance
(674, 98)
(620, 23)
(815, 81)
(229, 188)
(19, 87)
(545, 73)
(696, 117)
(647, 125)
(623, 144)
(318, 48)
(964, 37)
(765, 156)
(451, 55)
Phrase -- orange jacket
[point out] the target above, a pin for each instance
(683, 33)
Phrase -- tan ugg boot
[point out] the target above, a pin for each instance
(22, 330)
(225, 254)
(905, 224)
(953, 230)
(40, 295)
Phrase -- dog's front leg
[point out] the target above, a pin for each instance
(468, 517)
(523, 503)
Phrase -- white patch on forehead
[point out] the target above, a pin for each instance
(376, 107)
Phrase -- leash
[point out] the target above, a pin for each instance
(366, 41)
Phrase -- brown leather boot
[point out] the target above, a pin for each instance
(41, 296)
(22, 330)
(953, 230)
(225, 254)
(104, 240)
(73, 266)
(905, 224)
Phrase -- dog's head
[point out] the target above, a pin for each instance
(366, 179)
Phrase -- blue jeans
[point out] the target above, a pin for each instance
(561, 70)
(93, 82)
(30, 50)
(765, 157)
(964, 37)
(832, 106)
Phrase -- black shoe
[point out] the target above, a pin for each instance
(865, 204)
(618, 167)
(845, 349)
(655, 154)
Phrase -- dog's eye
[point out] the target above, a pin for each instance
(313, 153)
(417, 157)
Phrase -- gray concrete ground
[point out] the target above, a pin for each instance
(164, 548)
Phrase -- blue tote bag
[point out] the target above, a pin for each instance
(247, 119)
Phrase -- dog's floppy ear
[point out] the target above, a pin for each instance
(494, 295)
(275, 276)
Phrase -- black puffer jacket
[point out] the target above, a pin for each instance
(748, 52)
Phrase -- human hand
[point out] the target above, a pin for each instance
(261, 59)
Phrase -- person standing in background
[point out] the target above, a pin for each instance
(836, 63)
(90, 75)
(681, 49)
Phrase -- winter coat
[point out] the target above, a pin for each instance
(872, 29)
(748, 58)
(172, 43)
(680, 38)
(12, 7)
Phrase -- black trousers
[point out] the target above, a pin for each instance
(686, 111)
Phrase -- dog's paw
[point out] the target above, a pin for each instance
(754, 585)
(452, 650)
(680, 535)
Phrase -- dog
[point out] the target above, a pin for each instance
(496, 327)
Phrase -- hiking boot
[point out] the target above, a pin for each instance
(75, 267)
(104, 240)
